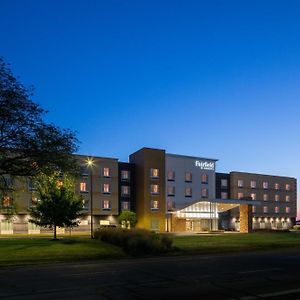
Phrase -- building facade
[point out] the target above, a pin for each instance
(168, 192)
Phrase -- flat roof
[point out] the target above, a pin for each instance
(93, 156)
(192, 157)
(258, 174)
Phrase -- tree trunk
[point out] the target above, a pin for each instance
(54, 232)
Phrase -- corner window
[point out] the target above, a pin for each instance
(106, 188)
(188, 177)
(188, 192)
(106, 172)
(253, 184)
(154, 189)
(125, 191)
(125, 175)
(154, 173)
(287, 187)
(171, 190)
(224, 183)
(154, 205)
(171, 176)
(240, 183)
(265, 185)
(204, 178)
(106, 205)
(287, 198)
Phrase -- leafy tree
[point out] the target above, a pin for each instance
(29, 145)
(127, 219)
(59, 206)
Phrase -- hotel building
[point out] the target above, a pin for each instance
(168, 192)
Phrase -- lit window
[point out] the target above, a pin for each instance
(170, 204)
(106, 204)
(287, 187)
(265, 185)
(188, 192)
(276, 209)
(125, 175)
(106, 172)
(154, 204)
(287, 198)
(240, 183)
(240, 195)
(34, 201)
(171, 190)
(171, 176)
(204, 178)
(154, 173)
(85, 203)
(204, 192)
(106, 188)
(265, 209)
(287, 209)
(224, 182)
(253, 196)
(188, 176)
(265, 197)
(253, 184)
(276, 186)
(125, 205)
(277, 198)
(224, 195)
(125, 190)
(83, 186)
(254, 209)
(154, 188)
(6, 201)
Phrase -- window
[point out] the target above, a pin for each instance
(254, 209)
(106, 205)
(204, 192)
(277, 198)
(125, 175)
(224, 195)
(188, 192)
(287, 209)
(7, 201)
(253, 196)
(265, 185)
(34, 201)
(154, 224)
(240, 183)
(84, 171)
(106, 188)
(276, 186)
(154, 173)
(125, 205)
(154, 205)
(224, 183)
(171, 176)
(287, 198)
(188, 176)
(204, 178)
(265, 209)
(170, 204)
(171, 190)
(154, 189)
(125, 191)
(106, 172)
(265, 197)
(83, 186)
(287, 187)
(253, 184)
(85, 203)
(276, 209)
(240, 195)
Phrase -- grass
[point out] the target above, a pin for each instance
(236, 242)
(18, 251)
(25, 250)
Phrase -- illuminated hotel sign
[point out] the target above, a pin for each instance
(205, 165)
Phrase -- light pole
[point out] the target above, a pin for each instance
(90, 164)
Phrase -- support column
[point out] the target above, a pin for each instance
(245, 218)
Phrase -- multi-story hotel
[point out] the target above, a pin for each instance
(168, 192)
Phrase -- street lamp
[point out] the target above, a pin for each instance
(90, 164)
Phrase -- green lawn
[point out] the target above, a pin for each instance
(236, 242)
(15, 251)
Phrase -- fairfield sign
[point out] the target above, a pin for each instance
(205, 165)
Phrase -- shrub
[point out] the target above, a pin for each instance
(136, 242)
(296, 227)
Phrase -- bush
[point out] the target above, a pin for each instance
(296, 227)
(136, 241)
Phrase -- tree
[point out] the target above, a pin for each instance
(58, 205)
(127, 219)
(29, 145)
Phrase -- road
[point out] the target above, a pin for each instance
(265, 275)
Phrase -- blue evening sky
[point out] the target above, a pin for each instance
(214, 78)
